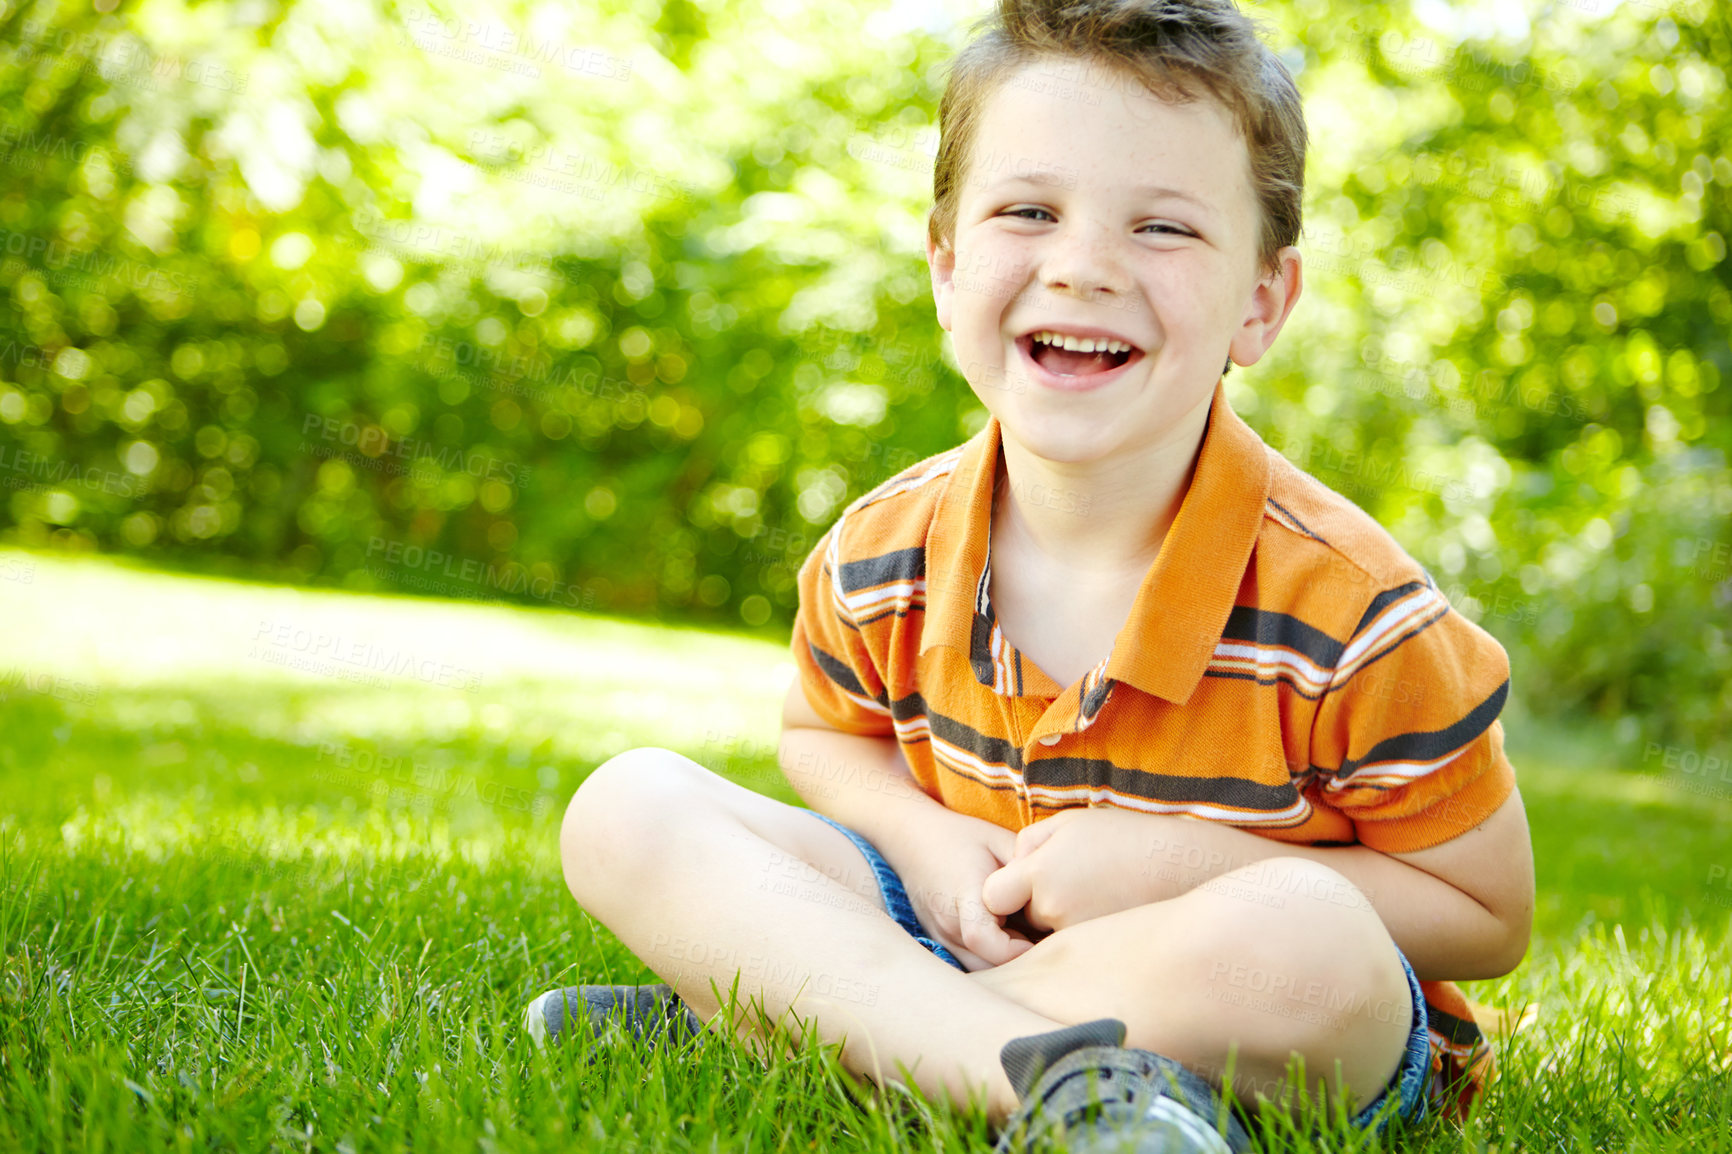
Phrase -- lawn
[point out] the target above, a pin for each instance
(277, 872)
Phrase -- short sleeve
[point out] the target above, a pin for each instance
(1407, 743)
(835, 664)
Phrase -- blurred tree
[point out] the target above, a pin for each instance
(625, 325)
(1534, 343)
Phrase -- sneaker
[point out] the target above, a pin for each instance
(1081, 1089)
(648, 1013)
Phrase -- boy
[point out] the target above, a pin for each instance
(1140, 764)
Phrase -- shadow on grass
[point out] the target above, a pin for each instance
(265, 741)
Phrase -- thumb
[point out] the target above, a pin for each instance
(1007, 889)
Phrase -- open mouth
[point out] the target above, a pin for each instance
(1065, 356)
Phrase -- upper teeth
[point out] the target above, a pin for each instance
(1082, 344)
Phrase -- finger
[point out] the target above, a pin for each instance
(980, 942)
(982, 934)
(945, 926)
(1032, 837)
(970, 961)
(950, 937)
(1007, 889)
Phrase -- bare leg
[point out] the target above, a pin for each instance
(1285, 955)
(704, 879)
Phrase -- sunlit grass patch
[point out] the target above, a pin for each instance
(247, 909)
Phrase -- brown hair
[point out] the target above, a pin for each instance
(1177, 49)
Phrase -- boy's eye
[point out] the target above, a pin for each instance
(1166, 228)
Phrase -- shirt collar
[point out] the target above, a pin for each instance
(1182, 606)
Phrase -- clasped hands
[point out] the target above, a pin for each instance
(1078, 864)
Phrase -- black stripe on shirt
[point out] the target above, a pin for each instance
(1287, 676)
(1095, 772)
(1097, 696)
(1433, 745)
(1266, 627)
(1458, 1032)
(894, 610)
(908, 708)
(837, 671)
(1296, 521)
(992, 750)
(1442, 612)
(1071, 772)
(867, 573)
(1383, 601)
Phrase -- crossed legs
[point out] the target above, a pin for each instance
(705, 880)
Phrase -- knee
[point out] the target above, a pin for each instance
(1291, 898)
(1301, 934)
(614, 815)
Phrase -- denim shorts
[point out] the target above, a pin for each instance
(1407, 1086)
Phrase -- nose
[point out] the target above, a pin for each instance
(1083, 259)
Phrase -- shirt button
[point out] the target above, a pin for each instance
(1051, 739)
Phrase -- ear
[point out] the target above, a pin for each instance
(942, 261)
(1271, 301)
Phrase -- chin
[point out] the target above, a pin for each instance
(1065, 437)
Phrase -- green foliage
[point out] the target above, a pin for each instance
(1538, 332)
(626, 323)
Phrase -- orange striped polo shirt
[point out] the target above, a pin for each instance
(1285, 668)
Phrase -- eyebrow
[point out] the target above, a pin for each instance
(1159, 192)
(1059, 180)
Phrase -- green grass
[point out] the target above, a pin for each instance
(245, 906)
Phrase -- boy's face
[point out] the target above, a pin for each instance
(1104, 211)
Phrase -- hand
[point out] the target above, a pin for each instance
(943, 869)
(1076, 865)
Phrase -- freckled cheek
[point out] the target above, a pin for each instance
(990, 273)
(1180, 306)
(1175, 306)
